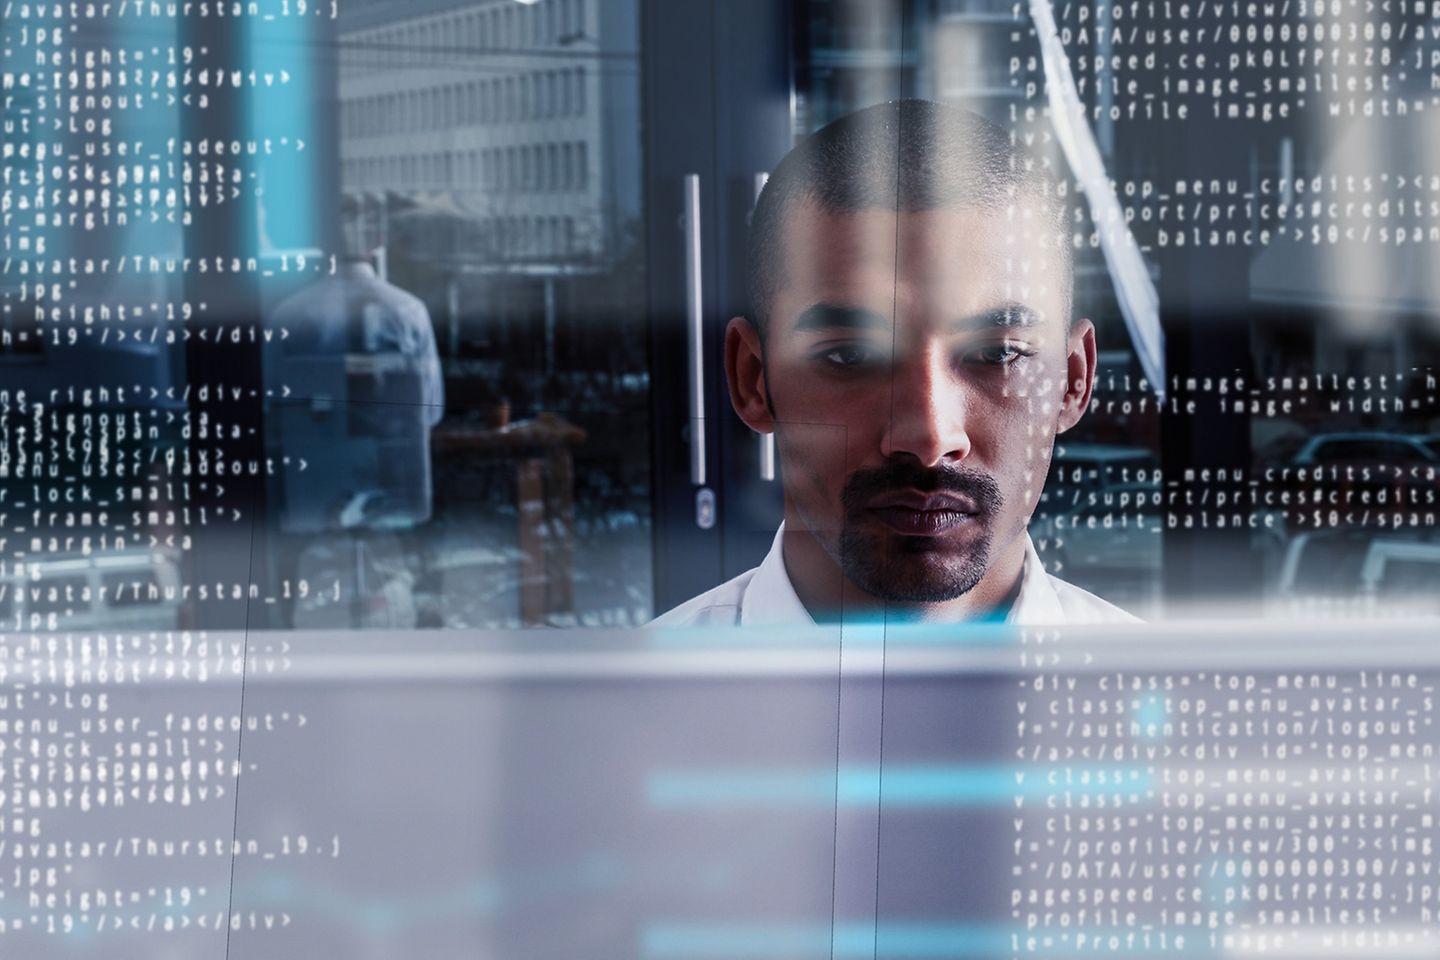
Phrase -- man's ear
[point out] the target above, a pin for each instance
(1079, 374)
(745, 374)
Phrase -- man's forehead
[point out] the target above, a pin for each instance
(966, 260)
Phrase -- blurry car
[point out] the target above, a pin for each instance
(1077, 468)
(1338, 479)
(1114, 529)
(1369, 447)
(120, 590)
(1403, 570)
(371, 583)
(1357, 566)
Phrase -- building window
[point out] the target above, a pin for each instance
(583, 160)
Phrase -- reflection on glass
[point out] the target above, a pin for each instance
(492, 150)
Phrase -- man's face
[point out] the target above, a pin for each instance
(917, 367)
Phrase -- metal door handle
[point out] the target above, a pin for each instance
(766, 440)
(695, 327)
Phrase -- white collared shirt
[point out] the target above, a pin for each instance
(764, 595)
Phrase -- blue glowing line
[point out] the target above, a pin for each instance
(940, 786)
(863, 633)
(663, 941)
(845, 940)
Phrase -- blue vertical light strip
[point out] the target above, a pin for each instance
(281, 43)
(155, 124)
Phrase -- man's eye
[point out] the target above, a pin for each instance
(1000, 354)
(849, 355)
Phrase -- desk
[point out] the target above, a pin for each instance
(544, 500)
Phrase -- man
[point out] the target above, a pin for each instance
(911, 347)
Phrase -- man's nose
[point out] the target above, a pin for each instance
(927, 416)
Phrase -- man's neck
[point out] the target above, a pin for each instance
(830, 596)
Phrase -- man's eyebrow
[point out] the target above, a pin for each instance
(831, 316)
(1010, 314)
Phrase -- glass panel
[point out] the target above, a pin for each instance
(1271, 457)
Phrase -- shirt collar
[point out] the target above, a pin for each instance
(1038, 602)
(770, 597)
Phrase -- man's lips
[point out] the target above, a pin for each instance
(938, 501)
(923, 514)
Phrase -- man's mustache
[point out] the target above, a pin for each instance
(865, 485)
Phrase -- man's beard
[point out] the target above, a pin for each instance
(915, 569)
